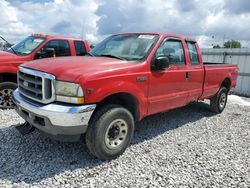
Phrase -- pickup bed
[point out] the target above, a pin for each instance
(123, 79)
(36, 46)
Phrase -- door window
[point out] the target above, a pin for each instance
(172, 49)
(194, 59)
(61, 47)
(80, 48)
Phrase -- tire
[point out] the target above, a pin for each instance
(219, 101)
(6, 90)
(110, 132)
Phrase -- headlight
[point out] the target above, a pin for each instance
(69, 92)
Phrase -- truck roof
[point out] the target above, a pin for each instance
(56, 37)
(185, 37)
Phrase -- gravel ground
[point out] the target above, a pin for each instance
(187, 147)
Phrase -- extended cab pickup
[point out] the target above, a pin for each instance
(36, 46)
(123, 79)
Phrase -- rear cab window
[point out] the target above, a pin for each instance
(193, 54)
(80, 48)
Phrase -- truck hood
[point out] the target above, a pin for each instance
(71, 68)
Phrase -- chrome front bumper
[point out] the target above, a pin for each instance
(54, 118)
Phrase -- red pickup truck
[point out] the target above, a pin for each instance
(36, 46)
(124, 78)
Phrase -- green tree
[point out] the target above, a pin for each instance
(216, 46)
(4, 45)
(8, 45)
(232, 44)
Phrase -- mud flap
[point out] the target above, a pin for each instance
(25, 128)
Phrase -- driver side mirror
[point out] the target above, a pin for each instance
(44, 53)
(161, 63)
(50, 52)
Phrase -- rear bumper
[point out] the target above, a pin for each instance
(54, 119)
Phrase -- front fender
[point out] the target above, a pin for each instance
(139, 91)
(8, 69)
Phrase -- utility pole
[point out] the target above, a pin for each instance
(212, 41)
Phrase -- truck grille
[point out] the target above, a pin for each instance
(36, 85)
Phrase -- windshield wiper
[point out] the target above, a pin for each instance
(8, 44)
(112, 56)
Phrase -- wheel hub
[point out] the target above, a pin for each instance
(222, 100)
(113, 132)
(6, 97)
(116, 133)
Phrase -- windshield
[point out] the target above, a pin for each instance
(125, 46)
(27, 46)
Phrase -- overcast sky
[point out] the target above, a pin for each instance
(208, 20)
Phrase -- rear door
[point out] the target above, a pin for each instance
(80, 48)
(168, 88)
(195, 72)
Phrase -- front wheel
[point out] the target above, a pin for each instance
(219, 101)
(110, 132)
(6, 90)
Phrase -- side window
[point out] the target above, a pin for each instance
(173, 49)
(61, 47)
(80, 48)
(194, 59)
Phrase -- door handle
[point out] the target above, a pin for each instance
(187, 75)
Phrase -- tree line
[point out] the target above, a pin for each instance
(229, 44)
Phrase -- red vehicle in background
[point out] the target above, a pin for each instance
(124, 78)
(36, 46)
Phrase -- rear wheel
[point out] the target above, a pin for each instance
(110, 132)
(219, 101)
(6, 90)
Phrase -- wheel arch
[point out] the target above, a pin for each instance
(8, 77)
(226, 83)
(124, 99)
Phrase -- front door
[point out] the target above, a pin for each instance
(168, 88)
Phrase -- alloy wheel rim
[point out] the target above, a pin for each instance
(6, 98)
(116, 133)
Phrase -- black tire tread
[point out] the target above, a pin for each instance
(99, 115)
(8, 84)
(215, 99)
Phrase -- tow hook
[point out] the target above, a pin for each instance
(25, 128)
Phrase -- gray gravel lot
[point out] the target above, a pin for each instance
(186, 147)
